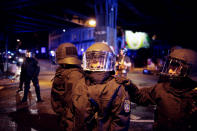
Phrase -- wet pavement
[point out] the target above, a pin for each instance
(33, 116)
(142, 117)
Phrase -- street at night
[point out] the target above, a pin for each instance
(40, 116)
(58, 59)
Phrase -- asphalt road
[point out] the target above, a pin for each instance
(40, 116)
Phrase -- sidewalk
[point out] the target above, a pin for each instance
(6, 82)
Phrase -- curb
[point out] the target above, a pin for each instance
(7, 82)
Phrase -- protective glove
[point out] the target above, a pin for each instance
(128, 84)
(123, 80)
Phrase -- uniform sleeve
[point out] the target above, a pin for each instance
(73, 93)
(57, 96)
(194, 110)
(68, 118)
(144, 96)
(121, 111)
(23, 69)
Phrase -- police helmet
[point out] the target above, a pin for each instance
(66, 53)
(181, 63)
(99, 57)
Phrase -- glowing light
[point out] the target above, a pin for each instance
(43, 50)
(64, 30)
(52, 53)
(22, 51)
(19, 50)
(82, 49)
(18, 40)
(92, 23)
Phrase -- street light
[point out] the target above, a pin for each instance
(18, 43)
(18, 40)
(92, 22)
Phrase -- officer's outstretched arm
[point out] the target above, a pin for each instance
(143, 96)
(128, 84)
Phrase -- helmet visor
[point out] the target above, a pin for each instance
(98, 61)
(176, 68)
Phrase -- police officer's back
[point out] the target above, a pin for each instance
(99, 103)
(66, 76)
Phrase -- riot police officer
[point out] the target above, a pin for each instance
(66, 76)
(99, 103)
(175, 94)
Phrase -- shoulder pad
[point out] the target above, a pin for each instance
(70, 71)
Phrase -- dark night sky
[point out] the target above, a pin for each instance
(173, 21)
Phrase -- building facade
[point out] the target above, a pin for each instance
(82, 37)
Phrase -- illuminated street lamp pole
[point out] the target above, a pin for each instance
(18, 43)
(106, 17)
